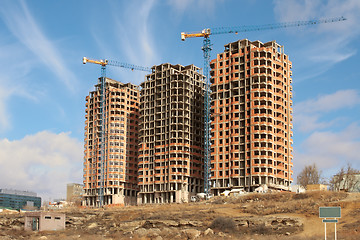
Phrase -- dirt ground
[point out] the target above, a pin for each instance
(251, 216)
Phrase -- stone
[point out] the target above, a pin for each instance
(158, 238)
(191, 233)
(43, 237)
(169, 223)
(208, 231)
(17, 228)
(141, 232)
(221, 234)
(190, 223)
(166, 231)
(131, 226)
(287, 233)
(153, 232)
(92, 225)
(243, 223)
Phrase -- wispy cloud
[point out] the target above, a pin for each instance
(330, 102)
(44, 162)
(138, 42)
(15, 67)
(138, 35)
(307, 114)
(182, 6)
(330, 150)
(132, 36)
(22, 24)
(4, 116)
(327, 44)
(10, 88)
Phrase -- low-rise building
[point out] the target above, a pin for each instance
(297, 189)
(316, 187)
(44, 221)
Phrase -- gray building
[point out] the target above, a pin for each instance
(74, 191)
(16, 199)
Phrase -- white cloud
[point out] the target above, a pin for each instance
(330, 150)
(22, 24)
(331, 102)
(291, 10)
(206, 6)
(308, 113)
(133, 38)
(327, 44)
(136, 32)
(308, 123)
(44, 162)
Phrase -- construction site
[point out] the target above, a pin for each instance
(193, 152)
(187, 130)
(146, 144)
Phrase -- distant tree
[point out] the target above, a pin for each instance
(345, 179)
(309, 175)
(76, 201)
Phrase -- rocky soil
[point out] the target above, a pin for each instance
(253, 216)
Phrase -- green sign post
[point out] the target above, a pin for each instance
(330, 212)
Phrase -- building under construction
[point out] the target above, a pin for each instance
(171, 134)
(113, 181)
(251, 112)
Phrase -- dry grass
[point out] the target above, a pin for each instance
(273, 203)
(223, 224)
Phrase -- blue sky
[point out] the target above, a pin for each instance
(43, 82)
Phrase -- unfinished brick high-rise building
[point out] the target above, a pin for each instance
(251, 113)
(171, 134)
(121, 145)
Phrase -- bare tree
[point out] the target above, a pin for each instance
(335, 181)
(309, 175)
(76, 201)
(345, 179)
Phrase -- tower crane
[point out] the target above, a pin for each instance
(205, 34)
(102, 82)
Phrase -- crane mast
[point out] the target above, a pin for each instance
(103, 122)
(205, 33)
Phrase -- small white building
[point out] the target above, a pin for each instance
(44, 221)
(297, 189)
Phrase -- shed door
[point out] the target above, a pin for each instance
(35, 224)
